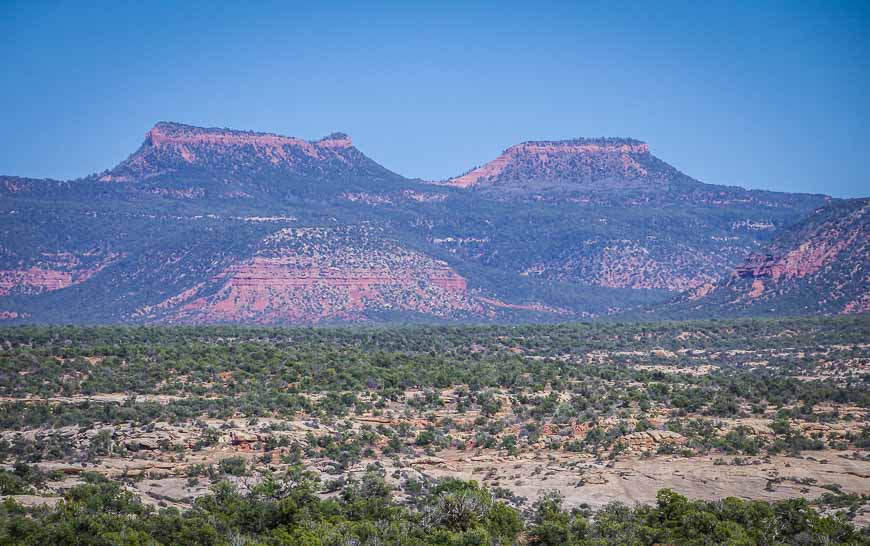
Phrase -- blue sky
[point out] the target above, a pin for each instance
(771, 95)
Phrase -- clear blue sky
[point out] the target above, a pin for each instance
(760, 94)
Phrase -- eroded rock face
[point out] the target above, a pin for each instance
(651, 440)
(808, 258)
(54, 271)
(819, 265)
(819, 247)
(33, 280)
(324, 274)
(757, 265)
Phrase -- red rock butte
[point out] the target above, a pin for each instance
(555, 153)
(198, 146)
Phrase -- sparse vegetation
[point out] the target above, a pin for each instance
(185, 420)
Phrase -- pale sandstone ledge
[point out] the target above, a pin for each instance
(174, 133)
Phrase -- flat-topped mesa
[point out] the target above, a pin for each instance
(168, 134)
(575, 160)
(169, 146)
(585, 145)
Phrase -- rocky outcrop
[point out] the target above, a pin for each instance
(757, 265)
(33, 280)
(809, 257)
(651, 440)
(818, 265)
(395, 198)
(52, 272)
(313, 275)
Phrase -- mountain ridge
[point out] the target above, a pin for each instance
(176, 232)
(177, 134)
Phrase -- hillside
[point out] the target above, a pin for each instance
(217, 225)
(819, 266)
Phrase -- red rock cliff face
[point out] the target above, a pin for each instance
(822, 264)
(53, 272)
(757, 265)
(819, 249)
(811, 256)
(33, 280)
(311, 275)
